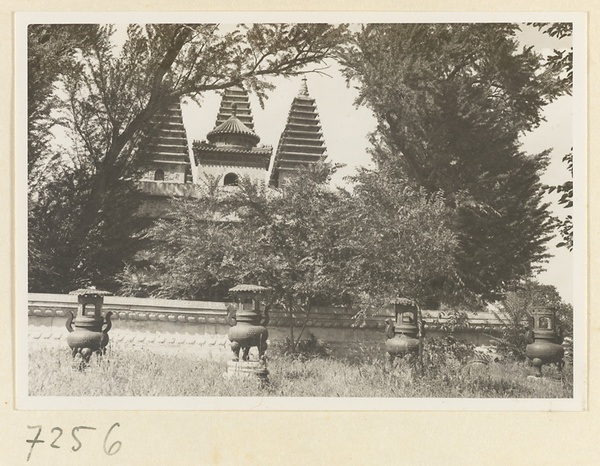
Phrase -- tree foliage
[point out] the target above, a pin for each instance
(289, 240)
(451, 101)
(565, 191)
(561, 60)
(403, 243)
(51, 51)
(311, 244)
(105, 101)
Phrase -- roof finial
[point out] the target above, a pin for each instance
(303, 88)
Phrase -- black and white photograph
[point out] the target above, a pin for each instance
(351, 212)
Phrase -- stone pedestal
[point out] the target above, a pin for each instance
(245, 369)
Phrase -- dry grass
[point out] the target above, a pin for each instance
(363, 372)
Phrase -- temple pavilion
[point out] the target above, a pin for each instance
(230, 151)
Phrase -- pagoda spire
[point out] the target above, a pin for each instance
(238, 97)
(301, 143)
(303, 88)
(231, 149)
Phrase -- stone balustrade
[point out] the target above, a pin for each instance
(180, 322)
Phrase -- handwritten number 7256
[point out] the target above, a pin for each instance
(110, 449)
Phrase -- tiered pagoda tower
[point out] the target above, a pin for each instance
(168, 171)
(301, 143)
(231, 149)
(239, 97)
(168, 147)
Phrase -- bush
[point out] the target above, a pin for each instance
(309, 348)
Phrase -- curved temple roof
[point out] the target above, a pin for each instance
(233, 127)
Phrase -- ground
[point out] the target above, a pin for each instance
(318, 371)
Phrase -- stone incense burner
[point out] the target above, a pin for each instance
(248, 329)
(91, 329)
(544, 340)
(403, 331)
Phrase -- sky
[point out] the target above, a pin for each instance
(346, 127)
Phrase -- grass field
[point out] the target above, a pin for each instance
(357, 372)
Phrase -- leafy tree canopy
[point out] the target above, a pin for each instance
(402, 242)
(451, 101)
(312, 245)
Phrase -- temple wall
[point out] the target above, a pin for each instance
(173, 173)
(254, 173)
(200, 324)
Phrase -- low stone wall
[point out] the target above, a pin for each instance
(201, 324)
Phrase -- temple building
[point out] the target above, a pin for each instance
(231, 150)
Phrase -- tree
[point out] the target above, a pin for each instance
(290, 240)
(106, 101)
(51, 50)
(56, 239)
(192, 253)
(565, 190)
(451, 101)
(561, 60)
(299, 248)
(402, 244)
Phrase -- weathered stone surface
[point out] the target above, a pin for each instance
(205, 319)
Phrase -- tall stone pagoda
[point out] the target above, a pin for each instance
(301, 143)
(168, 171)
(231, 149)
(170, 159)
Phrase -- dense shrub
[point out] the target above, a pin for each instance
(308, 348)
